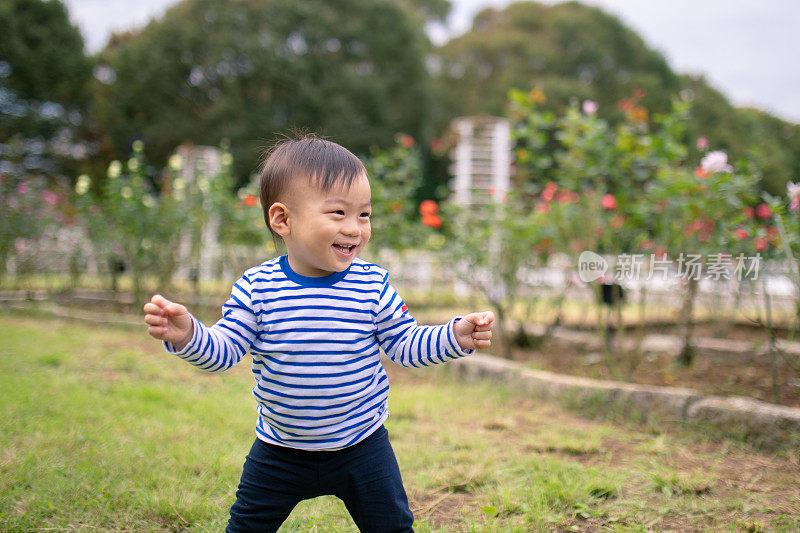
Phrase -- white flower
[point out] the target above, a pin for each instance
(178, 184)
(793, 190)
(203, 184)
(138, 146)
(133, 163)
(716, 161)
(126, 192)
(82, 185)
(114, 169)
(149, 201)
(227, 159)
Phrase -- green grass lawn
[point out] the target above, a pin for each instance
(103, 430)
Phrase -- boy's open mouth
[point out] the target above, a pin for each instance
(344, 249)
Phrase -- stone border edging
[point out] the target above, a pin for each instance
(765, 425)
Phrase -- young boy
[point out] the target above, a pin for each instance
(315, 321)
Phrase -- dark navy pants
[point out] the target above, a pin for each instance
(365, 476)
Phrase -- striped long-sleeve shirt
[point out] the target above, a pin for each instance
(316, 343)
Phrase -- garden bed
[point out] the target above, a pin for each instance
(711, 375)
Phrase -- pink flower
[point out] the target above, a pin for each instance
(760, 244)
(589, 107)
(542, 207)
(794, 205)
(608, 201)
(702, 143)
(749, 212)
(793, 190)
(22, 188)
(740, 233)
(50, 197)
(763, 211)
(716, 161)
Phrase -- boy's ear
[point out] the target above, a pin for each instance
(279, 218)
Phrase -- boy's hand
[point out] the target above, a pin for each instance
(474, 330)
(168, 321)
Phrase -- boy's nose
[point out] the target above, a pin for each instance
(351, 228)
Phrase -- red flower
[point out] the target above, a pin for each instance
(763, 211)
(432, 220)
(608, 201)
(700, 172)
(749, 212)
(760, 244)
(549, 191)
(435, 145)
(542, 207)
(397, 207)
(428, 207)
(406, 140)
(250, 200)
(772, 232)
(741, 233)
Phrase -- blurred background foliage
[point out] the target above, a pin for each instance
(358, 72)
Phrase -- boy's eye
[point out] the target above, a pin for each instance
(365, 215)
(338, 212)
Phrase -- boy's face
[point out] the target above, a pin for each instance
(327, 230)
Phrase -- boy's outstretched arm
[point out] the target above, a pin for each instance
(168, 321)
(474, 330)
(215, 348)
(409, 344)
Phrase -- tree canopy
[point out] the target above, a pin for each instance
(571, 51)
(245, 70)
(44, 76)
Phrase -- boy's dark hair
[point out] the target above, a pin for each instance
(325, 163)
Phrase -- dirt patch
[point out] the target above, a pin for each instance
(441, 509)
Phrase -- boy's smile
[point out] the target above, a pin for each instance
(327, 230)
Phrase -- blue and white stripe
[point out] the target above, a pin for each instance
(316, 345)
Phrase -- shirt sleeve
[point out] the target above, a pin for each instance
(407, 343)
(222, 346)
